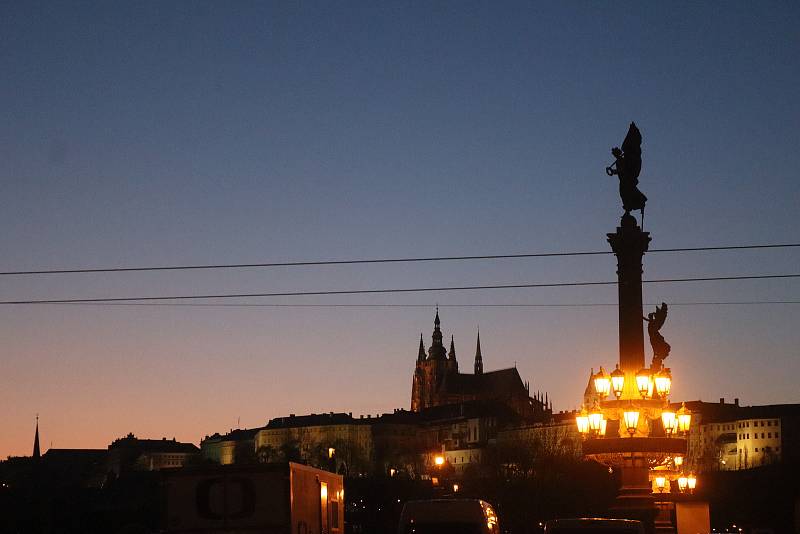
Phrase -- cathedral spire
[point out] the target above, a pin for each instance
(421, 353)
(36, 452)
(478, 356)
(437, 350)
(452, 354)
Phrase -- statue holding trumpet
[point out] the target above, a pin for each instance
(627, 165)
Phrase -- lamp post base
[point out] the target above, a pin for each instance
(635, 499)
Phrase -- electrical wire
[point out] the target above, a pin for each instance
(392, 290)
(378, 260)
(430, 305)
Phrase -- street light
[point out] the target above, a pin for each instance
(602, 383)
(684, 418)
(663, 382)
(603, 424)
(691, 482)
(631, 420)
(678, 460)
(595, 420)
(617, 381)
(683, 482)
(582, 420)
(661, 482)
(643, 383)
(331, 452)
(439, 460)
(669, 421)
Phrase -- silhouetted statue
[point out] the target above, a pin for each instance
(661, 348)
(627, 165)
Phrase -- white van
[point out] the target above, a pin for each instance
(593, 524)
(448, 516)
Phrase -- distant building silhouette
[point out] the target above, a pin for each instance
(133, 454)
(437, 380)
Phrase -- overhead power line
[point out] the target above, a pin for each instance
(429, 305)
(390, 290)
(379, 260)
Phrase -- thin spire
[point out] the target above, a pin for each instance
(478, 356)
(421, 353)
(36, 452)
(452, 354)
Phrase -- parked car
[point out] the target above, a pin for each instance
(448, 516)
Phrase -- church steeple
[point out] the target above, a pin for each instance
(36, 452)
(478, 357)
(421, 353)
(452, 354)
(437, 350)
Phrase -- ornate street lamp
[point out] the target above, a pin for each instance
(663, 382)
(683, 483)
(439, 460)
(643, 383)
(631, 419)
(684, 419)
(602, 383)
(595, 419)
(678, 461)
(617, 381)
(691, 482)
(669, 421)
(582, 420)
(661, 482)
(603, 424)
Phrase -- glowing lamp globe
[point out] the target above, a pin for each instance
(595, 420)
(683, 482)
(582, 420)
(643, 383)
(663, 382)
(684, 419)
(669, 421)
(439, 460)
(661, 482)
(603, 424)
(678, 461)
(617, 381)
(691, 482)
(631, 419)
(602, 383)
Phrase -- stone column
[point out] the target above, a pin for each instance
(629, 244)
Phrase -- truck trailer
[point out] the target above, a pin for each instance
(282, 498)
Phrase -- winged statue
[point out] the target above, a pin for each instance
(627, 165)
(655, 320)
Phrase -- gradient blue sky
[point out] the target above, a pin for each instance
(171, 133)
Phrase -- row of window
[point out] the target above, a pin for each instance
(763, 449)
(746, 424)
(746, 435)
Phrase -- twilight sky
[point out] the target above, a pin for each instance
(178, 133)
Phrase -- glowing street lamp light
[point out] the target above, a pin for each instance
(595, 420)
(331, 452)
(663, 382)
(643, 383)
(602, 383)
(617, 381)
(603, 424)
(684, 419)
(691, 482)
(661, 482)
(683, 483)
(439, 460)
(582, 420)
(669, 421)
(678, 461)
(631, 419)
